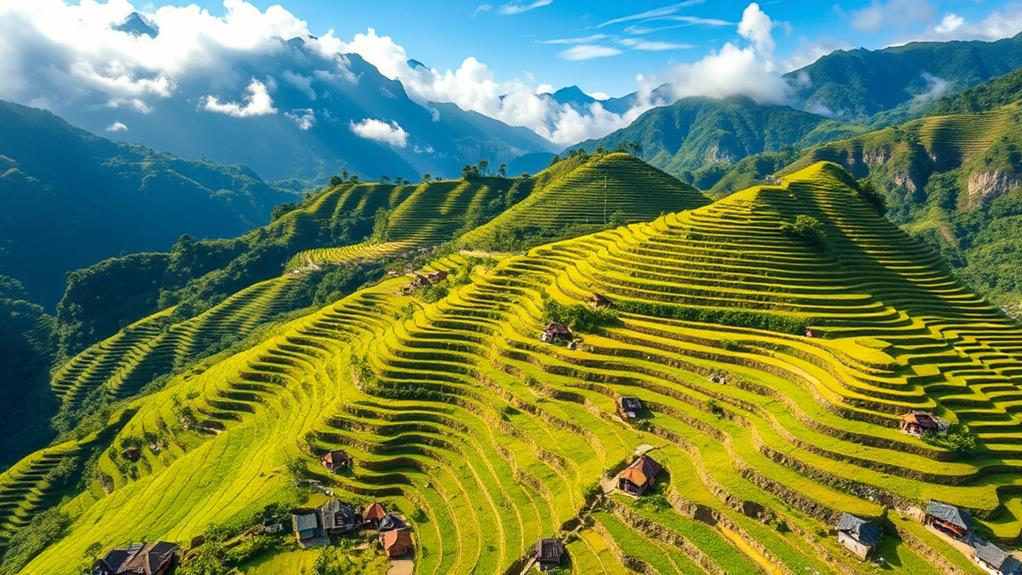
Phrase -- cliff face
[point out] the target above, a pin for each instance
(984, 187)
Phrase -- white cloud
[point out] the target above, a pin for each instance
(756, 26)
(935, 88)
(600, 95)
(304, 118)
(949, 23)
(117, 127)
(737, 70)
(482, 8)
(654, 13)
(588, 52)
(257, 103)
(545, 89)
(891, 13)
(578, 40)
(999, 24)
(651, 46)
(512, 8)
(381, 131)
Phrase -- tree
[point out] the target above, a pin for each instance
(484, 165)
(438, 179)
(344, 174)
(502, 170)
(384, 179)
(354, 179)
(336, 181)
(426, 177)
(469, 172)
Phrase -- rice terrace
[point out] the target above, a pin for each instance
(683, 331)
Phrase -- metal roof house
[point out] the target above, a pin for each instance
(858, 535)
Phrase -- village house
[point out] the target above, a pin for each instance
(373, 514)
(995, 560)
(599, 300)
(307, 527)
(336, 460)
(437, 276)
(628, 407)
(948, 519)
(639, 476)
(396, 542)
(919, 423)
(390, 522)
(339, 518)
(548, 553)
(858, 535)
(157, 558)
(556, 332)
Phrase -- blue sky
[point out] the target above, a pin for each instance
(443, 34)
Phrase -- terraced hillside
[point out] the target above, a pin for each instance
(952, 180)
(587, 192)
(488, 439)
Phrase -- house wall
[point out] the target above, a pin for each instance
(857, 548)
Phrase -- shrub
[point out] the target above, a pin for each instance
(958, 440)
(578, 316)
(29, 541)
(807, 228)
(872, 196)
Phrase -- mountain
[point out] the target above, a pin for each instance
(953, 179)
(27, 344)
(196, 275)
(69, 199)
(308, 127)
(774, 338)
(581, 193)
(697, 138)
(857, 84)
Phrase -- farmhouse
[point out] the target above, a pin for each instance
(308, 529)
(858, 535)
(995, 560)
(339, 518)
(548, 553)
(390, 522)
(628, 407)
(919, 423)
(396, 542)
(336, 460)
(599, 300)
(373, 514)
(947, 519)
(155, 558)
(639, 476)
(555, 332)
(437, 276)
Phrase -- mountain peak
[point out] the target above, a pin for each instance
(138, 25)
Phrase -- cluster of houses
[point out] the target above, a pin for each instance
(156, 558)
(317, 526)
(420, 281)
(862, 537)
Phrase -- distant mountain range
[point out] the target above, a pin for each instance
(843, 93)
(318, 103)
(69, 198)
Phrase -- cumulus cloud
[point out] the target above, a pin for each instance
(885, 13)
(117, 127)
(304, 118)
(257, 103)
(1002, 23)
(380, 131)
(737, 70)
(588, 52)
